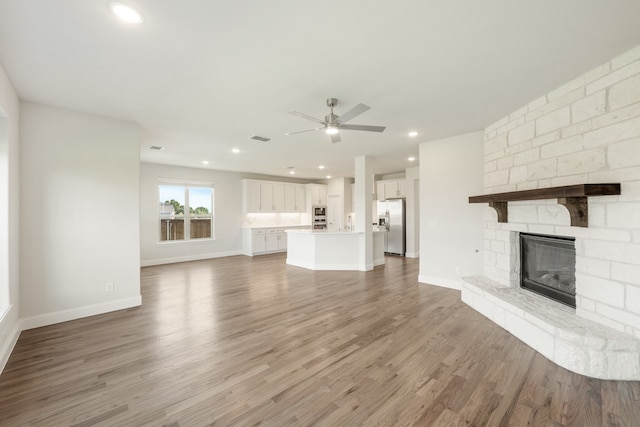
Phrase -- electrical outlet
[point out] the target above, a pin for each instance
(109, 287)
(459, 270)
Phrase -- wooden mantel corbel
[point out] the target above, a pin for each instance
(573, 197)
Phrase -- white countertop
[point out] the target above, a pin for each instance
(322, 232)
(325, 232)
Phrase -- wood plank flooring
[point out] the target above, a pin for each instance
(251, 341)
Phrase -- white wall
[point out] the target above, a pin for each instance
(227, 211)
(9, 219)
(450, 228)
(79, 184)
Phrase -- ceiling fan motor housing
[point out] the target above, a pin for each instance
(332, 102)
(331, 119)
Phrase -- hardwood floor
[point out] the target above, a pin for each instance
(245, 341)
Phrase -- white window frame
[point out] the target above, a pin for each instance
(187, 220)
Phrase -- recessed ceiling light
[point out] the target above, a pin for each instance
(411, 159)
(126, 13)
(292, 172)
(328, 176)
(331, 130)
(235, 150)
(321, 167)
(205, 162)
(413, 134)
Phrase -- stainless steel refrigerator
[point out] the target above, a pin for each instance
(391, 216)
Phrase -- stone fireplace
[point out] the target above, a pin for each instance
(587, 131)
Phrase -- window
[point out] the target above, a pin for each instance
(197, 201)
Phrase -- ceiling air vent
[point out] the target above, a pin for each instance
(260, 138)
(155, 147)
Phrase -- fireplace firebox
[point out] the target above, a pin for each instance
(548, 266)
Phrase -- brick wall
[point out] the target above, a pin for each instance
(586, 131)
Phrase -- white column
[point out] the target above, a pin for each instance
(412, 212)
(363, 191)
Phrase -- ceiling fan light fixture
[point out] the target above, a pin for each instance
(126, 13)
(331, 130)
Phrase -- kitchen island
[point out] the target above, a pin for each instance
(331, 250)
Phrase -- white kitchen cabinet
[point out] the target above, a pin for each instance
(259, 244)
(278, 197)
(290, 198)
(294, 198)
(266, 240)
(316, 194)
(251, 196)
(266, 197)
(301, 198)
(390, 189)
(271, 196)
(271, 239)
(282, 239)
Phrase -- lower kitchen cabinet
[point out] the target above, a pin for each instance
(265, 240)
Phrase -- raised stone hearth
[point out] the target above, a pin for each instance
(577, 344)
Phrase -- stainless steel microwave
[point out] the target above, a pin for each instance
(319, 210)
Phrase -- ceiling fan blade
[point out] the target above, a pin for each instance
(305, 130)
(308, 117)
(335, 138)
(355, 111)
(364, 127)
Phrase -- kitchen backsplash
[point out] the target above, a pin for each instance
(275, 219)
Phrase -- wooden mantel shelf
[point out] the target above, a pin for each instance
(573, 197)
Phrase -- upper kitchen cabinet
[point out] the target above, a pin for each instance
(316, 194)
(251, 198)
(271, 196)
(278, 197)
(390, 188)
(294, 198)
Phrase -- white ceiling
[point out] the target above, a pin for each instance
(202, 76)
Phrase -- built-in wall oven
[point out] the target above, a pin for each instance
(319, 217)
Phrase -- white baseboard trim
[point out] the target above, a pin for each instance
(440, 281)
(10, 342)
(199, 257)
(78, 313)
(334, 267)
(378, 262)
(366, 267)
(412, 254)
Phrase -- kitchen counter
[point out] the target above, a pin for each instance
(277, 226)
(331, 250)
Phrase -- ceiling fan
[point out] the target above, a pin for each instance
(332, 123)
